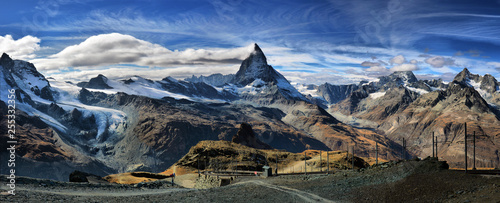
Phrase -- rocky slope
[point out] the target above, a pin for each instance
(402, 107)
(444, 114)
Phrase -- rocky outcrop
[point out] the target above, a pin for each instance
(82, 177)
(246, 136)
(24, 77)
(396, 79)
(99, 82)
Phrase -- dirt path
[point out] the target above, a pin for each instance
(102, 193)
(307, 197)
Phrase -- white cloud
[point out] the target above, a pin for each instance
(405, 67)
(494, 64)
(413, 61)
(23, 48)
(323, 77)
(380, 69)
(114, 48)
(399, 59)
(439, 61)
(369, 64)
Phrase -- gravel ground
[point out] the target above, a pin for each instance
(410, 181)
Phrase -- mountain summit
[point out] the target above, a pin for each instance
(254, 67)
(255, 71)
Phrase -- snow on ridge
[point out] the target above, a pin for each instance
(44, 117)
(141, 87)
(376, 95)
(303, 89)
(252, 88)
(477, 87)
(282, 83)
(418, 90)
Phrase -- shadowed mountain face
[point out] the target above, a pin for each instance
(246, 136)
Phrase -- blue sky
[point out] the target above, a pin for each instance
(308, 41)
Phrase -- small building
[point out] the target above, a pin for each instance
(267, 171)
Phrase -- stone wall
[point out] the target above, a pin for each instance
(205, 182)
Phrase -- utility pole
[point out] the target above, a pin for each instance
(403, 150)
(353, 157)
(436, 143)
(433, 155)
(305, 163)
(465, 141)
(320, 169)
(327, 162)
(474, 151)
(276, 164)
(376, 153)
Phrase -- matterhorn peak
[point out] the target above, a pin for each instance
(253, 67)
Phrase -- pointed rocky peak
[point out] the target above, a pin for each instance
(5, 57)
(254, 67)
(398, 78)
(463, 75)
(6, 61)
(406, 76)
(259, 53)
(489, 83)
(169, 79)
(99, 82)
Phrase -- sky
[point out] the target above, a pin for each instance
(308, 41)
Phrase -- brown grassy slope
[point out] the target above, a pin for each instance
(224, 155)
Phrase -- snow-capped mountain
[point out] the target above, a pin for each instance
(135, 123)
(167, 87)
(255, 73)
(487, 85)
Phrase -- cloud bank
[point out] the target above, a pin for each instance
(114, 48)
(23, 48)
(439, 61)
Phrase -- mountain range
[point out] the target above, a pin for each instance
(111, 126)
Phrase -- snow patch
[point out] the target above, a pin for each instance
(376, 95)
(44, 117)
(307, 90)
(282, 83)
(477, 87)
(417, 90)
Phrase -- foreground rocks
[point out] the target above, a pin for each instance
(408, 181)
